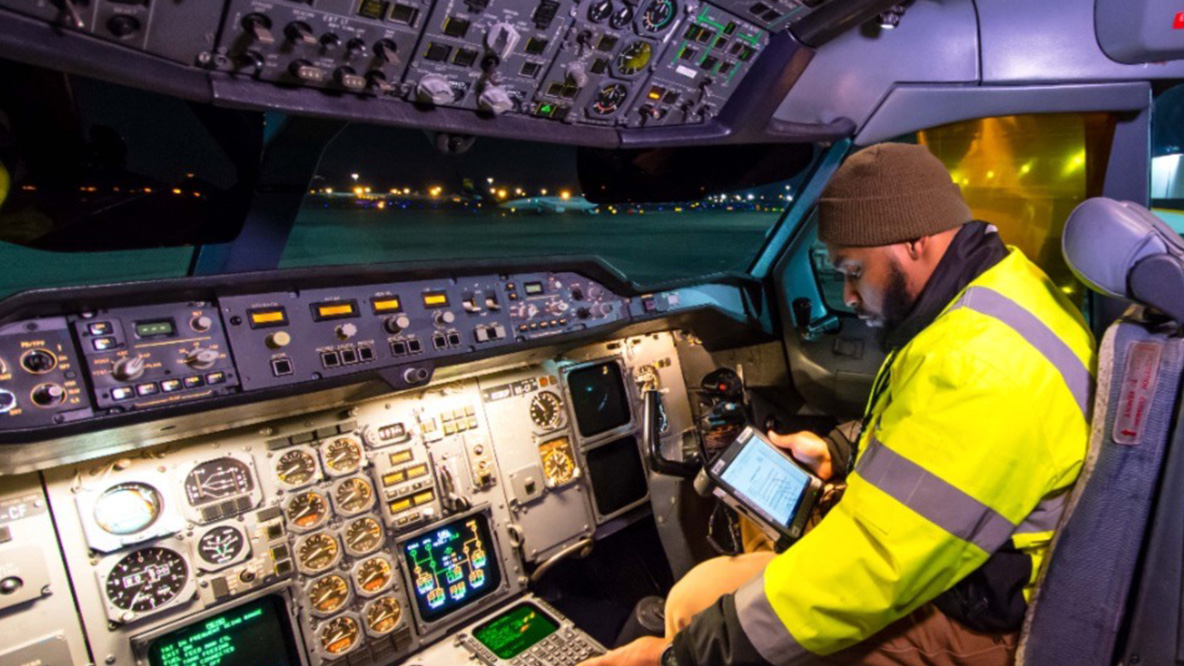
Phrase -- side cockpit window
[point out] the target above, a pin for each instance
(1167, 157)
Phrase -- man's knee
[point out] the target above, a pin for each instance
(706, 583)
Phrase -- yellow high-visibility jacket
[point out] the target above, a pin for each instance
(976, 440)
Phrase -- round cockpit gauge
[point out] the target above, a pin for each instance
(383, 615)
(218, 479)
(373, 575)
(363, 535)
(338, 635)
(622, 17)
(343, 455)
(307, 510)
(659, 15)
(610, 98)
(296, 468)
(318, 552)
(353, 496)
(559, 464)
(329, 594)
(221, 545)
(631, 60)
(146, 579)
(600, 11)
(546, 410)
(127, 508)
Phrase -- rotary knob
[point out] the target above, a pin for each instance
(577, 74)
(397, 324)
(445, 318)
(201, 358)
(346, 331)
(495, 100)
(201, 323)
(279, 339)
(48, 395)
(129, 368)
(299, 32)
(434, 89)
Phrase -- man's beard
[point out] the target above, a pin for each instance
(896, 307)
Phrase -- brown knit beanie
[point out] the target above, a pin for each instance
(889, 193)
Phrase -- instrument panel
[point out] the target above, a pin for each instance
(360, 534)
(608, 63)
(107, 361)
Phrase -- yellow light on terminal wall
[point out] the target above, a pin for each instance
(176, 190)
(358, 191)
(381, 205)
(564, 194)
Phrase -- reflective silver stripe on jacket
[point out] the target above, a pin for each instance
(946, 506)
(1039, 335)
(764, 629)
(933, 498)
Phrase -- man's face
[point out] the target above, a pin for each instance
(875, 284)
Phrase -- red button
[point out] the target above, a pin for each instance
(1179, 24)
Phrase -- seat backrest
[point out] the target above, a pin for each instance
(1085, 586)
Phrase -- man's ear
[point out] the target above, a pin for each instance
(915, 248)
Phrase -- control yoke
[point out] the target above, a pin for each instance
(651, 438)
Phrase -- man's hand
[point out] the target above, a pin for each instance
(808, 449)
(645, 651)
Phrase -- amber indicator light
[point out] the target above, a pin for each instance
(334, 310)
(435, 299)
(382, 306)
(265, 317)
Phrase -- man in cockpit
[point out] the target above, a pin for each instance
(975, 430)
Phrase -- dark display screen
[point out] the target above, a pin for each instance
(252, 634)
(515, 631)
(452, 566)
(618, 479)
(599, 399)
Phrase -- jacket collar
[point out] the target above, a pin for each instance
(975, 249)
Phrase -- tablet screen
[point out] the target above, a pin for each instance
(766, 480)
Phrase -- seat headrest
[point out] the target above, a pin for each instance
(1122, 249)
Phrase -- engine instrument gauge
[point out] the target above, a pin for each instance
(659, 15)
(363, 536)
(338, 635)
(127, 508)
(218, 479)
(600, 10)
(610, 98)
(353, 496)
(631, 60)
(318, 552)
(374, 575)
(221, 545)
(622, 17)
(559, 463)
(329, 594)
(307, 510)
(296, 468)
(546, 410)
(383, 615)
(343, 455)
(146, 579)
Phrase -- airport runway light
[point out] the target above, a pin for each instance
(489, 180)
(176, 190)
(358, 191)
(406, 190)
(367, 190)
(328, 190)
(436, 191)
(564, 194)
(354, 176)
(501, 194)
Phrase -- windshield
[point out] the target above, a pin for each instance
(388, 195)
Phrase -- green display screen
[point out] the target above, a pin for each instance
(515, 631)
(253, 634)
(153, 329)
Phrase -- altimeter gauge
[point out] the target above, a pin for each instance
(146, 580)
(546, 410)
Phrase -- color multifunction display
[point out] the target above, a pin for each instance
(452, 566)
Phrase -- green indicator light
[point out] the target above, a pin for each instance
(678, 52)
